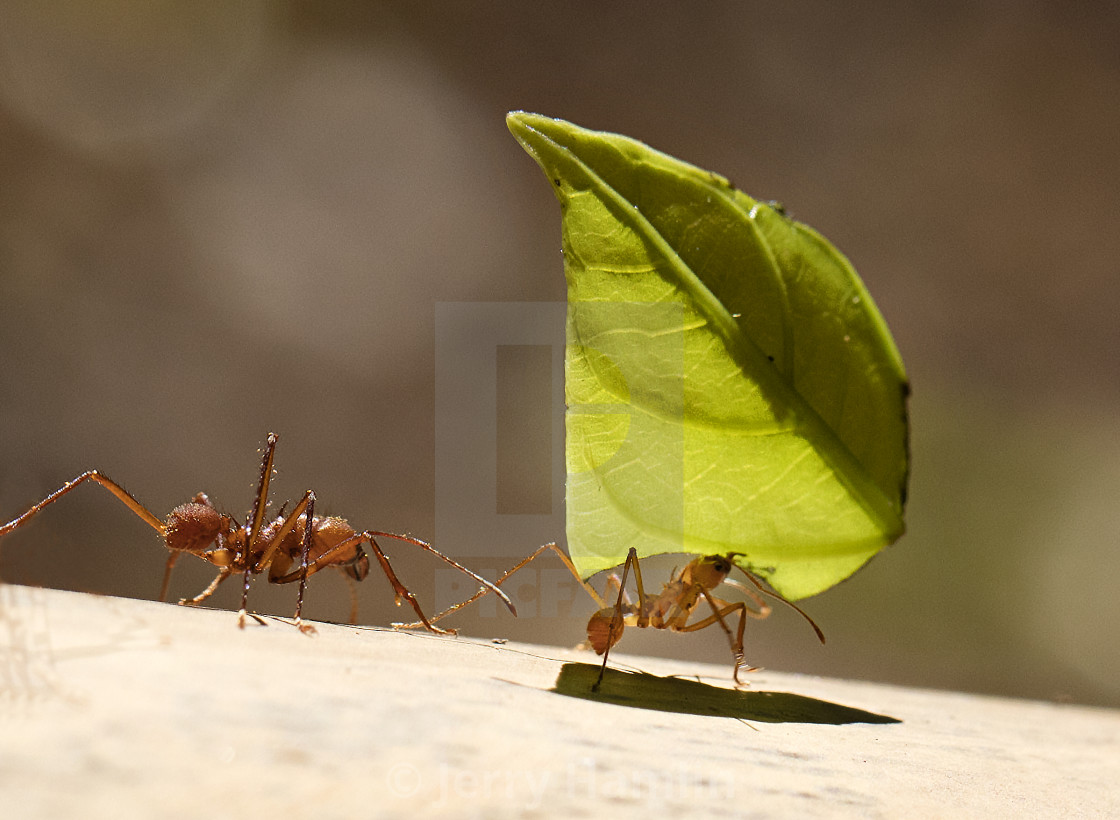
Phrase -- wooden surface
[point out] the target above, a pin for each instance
(119, 708)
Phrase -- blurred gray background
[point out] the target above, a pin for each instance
(221, 219)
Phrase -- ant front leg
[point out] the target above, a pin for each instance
(223, 573)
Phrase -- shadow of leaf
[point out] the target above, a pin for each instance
(642, 690)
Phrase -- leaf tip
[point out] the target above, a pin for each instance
(521, 123)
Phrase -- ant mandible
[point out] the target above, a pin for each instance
(197, 528)
(669, 609)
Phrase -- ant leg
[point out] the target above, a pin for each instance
(223, 573)
(116, 489)
(260, 504)
(256, 521)
(326, 559)
(485, 585)
(720, 609)
(643, 616)
(763, 609)
(308, 532)
(91, 475)
(618, 623)
(243, 611)
(612, 586)
(401, 591)
(352, 588)
(172, 557)
(509, 572)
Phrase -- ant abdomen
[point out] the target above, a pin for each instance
(604, 629)
(193, 527)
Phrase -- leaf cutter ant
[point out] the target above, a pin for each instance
(292, 547)
(669, 609)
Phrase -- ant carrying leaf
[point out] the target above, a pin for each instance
(292, 547)
(669, 609)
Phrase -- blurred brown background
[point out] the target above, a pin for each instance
(222, 219)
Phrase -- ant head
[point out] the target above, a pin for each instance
(195, 526)
(708, 571)
(357, 567)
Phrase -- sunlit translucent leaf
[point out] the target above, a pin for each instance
(731, 386)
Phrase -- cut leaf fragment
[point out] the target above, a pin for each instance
(731, 386)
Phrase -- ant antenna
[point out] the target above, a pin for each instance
(775, 595)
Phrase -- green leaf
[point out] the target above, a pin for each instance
(731, 386)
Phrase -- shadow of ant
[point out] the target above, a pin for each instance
(642, 690)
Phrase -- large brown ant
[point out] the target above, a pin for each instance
(669, 609)
(197, 528)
